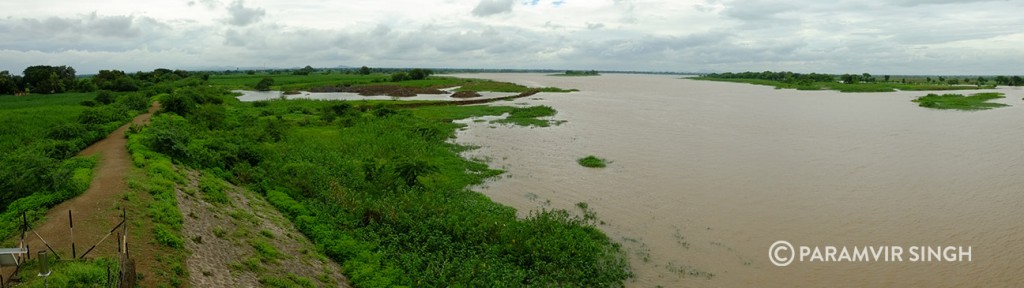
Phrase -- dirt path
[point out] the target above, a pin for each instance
(94, 211)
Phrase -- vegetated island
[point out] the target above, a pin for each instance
(861, 83)
(592, 162)
(577, 73)
(960, 102)
(375, 185)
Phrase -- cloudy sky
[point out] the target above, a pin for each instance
(839, 36)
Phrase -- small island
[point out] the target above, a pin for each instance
(864, 82)
(592, 162)
(578, 73)
(960, 102)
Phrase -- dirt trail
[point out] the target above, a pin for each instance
(94, 211)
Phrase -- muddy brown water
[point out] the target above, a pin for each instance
(705, 176)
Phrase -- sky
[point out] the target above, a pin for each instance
(920, 37)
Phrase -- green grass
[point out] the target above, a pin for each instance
(41, 132)
(88, 273)
(382, 191)
(591, 162)
(850, 88)
(960, 102)
(529, 116)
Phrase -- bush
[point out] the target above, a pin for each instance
(591, 162)
(104, 97)
(264, 84)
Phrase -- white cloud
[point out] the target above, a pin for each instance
(846, 36)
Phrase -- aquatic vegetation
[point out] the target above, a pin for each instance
(592, 162)
(960, 102)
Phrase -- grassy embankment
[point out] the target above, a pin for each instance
(383, 192)
(960, 102)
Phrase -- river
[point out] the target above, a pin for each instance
(706, 176)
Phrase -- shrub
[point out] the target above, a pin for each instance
(591, 162)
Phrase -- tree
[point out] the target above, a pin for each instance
(980, 81)
(1002, 80)
(364, 70)
(104, 97)
(850, 79)
(419, 74)
(305, 70)
(1016, 81)
(886, 78)
(867, 78)
(114, 80)
(265, 84)
(49, 79)
(7, 83)
(399, 76)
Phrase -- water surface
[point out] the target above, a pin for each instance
(705, 176)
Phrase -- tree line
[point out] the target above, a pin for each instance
(45, 79)
(800, 78)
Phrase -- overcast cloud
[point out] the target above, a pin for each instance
(878, 37)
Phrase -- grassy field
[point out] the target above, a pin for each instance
(960, 102)
(288, 82)
(853, 88)
(383, 192)
(39, 136)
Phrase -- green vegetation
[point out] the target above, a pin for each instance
(578, 73)
(960, 102)
(285, 82)
(848, 82)
(163, 221)
(38, 141)
(88, 273)
(381, 190)
(528, 116)
(591, 162)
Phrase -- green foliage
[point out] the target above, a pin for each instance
(264, 84)
(104, 97)
(89, 273)
(165, 236)
(591, 162)
(75, 177)
(304, 71)
(383, 192)
(578, 73)
(814, 81)
(528, 116)
(49, 79)
(960, 102)
(40, 134)
(316, 81)
(213, 189)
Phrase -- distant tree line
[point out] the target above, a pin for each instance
(582, 73)
(798, 78)
(783, 76)
(44, 79)
(414, 74)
